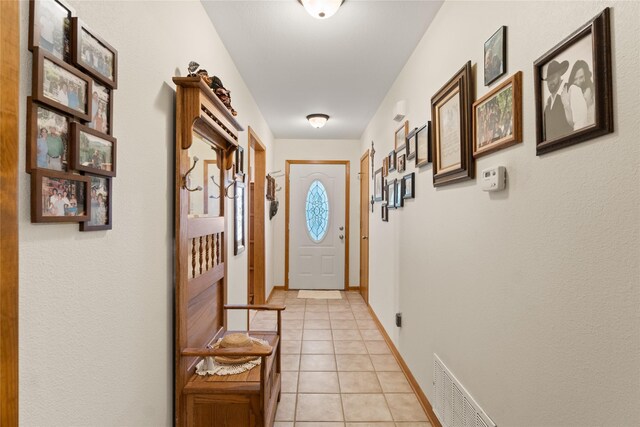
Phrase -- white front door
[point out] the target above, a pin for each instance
(317, 231)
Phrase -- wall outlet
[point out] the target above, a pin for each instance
(399, 320)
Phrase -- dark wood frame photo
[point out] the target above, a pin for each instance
(108, 112)
(400, 139)
(399, 193)
(37, 89)
(460, 85)
(423, 137)
(35, 14)
(239, 209)
(402, 163)
(385, 166)
(238, 167)
(410, 144)
(501, 141)
(33, 132)
(490, 77)
(86, 226)
(411, 178)
(392, 160)
(378, 196)
(602, 89)
(37, 200)
(384, 213)
(77, 28)
(76, 130)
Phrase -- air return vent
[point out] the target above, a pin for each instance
(453, 405)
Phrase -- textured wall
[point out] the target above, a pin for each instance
(531, 295)
(96, 309)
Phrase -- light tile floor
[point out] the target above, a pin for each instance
(337, 369)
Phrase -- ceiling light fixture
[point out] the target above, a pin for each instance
(317, 120)
(321, 9)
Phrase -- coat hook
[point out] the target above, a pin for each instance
(213, 178)
(186, 179)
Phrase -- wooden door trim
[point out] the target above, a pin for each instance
(9, 87)
(347, 165)
(259, 194)
(364, 209)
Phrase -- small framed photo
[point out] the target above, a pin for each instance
(101, 109)
(451, 115)
(239, 162)
(59, 197)
(94, 55)
(408, 186)
(238, 223)
(385, 166)
(423, 145)
(100, 200)
(391, 194)
(378, 182)
(50, 27)
(410, 146)
(60, 85)
(402, 162)
(48, 136)
(93, 151)
(497, 117)
(392, 160)
(495, 56)
(573, 88)
(384, 212)
(398, 193)
(400, 135)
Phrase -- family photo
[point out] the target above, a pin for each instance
(52, 28)
(61, 86)
(99, 201)
(97, 56)
(95, 152)
(494, 56)
(100, 108)
(52, 144)
(62, 197)
(494, 118)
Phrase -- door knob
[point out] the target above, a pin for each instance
(341, 236)
(364, 237)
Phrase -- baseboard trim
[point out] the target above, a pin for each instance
(275, 288)
(422, 398)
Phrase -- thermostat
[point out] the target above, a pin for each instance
(494, 179)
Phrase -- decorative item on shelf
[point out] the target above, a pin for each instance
(579, 71)
(451, 115)
(408, 186)
(193, 66)
(222, 93)
(495, 56)
(423, 145)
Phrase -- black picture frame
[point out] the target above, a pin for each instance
(399, 192)
(391, 193)
(378, 185)
(384, 213)
(392, 160)
(424, 146)
(239, 163)
(553, 130)
(409, 186)
(410, 145)
(495, 56)
(402, 163)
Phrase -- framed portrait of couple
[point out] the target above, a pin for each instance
(573, 87)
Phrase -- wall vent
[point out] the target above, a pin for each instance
(453, 405)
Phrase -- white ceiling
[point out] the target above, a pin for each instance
(343, 66)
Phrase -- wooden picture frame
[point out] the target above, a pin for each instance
(391, 193)
(451, 114)
(402, 163)
(52, 78)
(410, 145)
(495, 56)
(239, 238)
(409, 186)
(378, 185)
(584, 59)
(398, 193)
(101, 108)
(424, 146)
(385, 166)
(400, 135)
(497, 117)
(384, 213)
(56, 16)
(50, 151)
(91, 151)
(93, 54)
(46, 184)
(392, 160)
(101, 200)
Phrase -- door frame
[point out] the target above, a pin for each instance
(347, 180)
(9, 112)
(259, 177)
(364, 213)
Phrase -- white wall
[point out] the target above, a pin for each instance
(96, 309)
(530, 296)
(317, 149)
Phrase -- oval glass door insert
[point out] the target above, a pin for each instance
(317, 211)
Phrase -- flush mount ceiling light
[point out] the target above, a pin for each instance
(317, 120)
(321, 9)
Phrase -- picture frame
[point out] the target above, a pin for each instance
(101, 108)
(400, 135)
(410, 145)
(60, 85)
(93, 54)
(402, 162)
(584, 58)
(398, 193)
(423, 146)
(409, 186)
(378, 185)
(391, 194)
(451, 114)
(59, 197)
(100, 198)
(385, 166)
(392, 160)
(495, 56)
(93, 151)
(239, 238)
(48, 138)
(239, 162)
(50, 27)
(384, 212)
(497, 117)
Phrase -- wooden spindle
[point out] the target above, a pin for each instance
(200, 250)
(193, 257)
(206, 261)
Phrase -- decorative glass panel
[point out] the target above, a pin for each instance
(317, 211)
